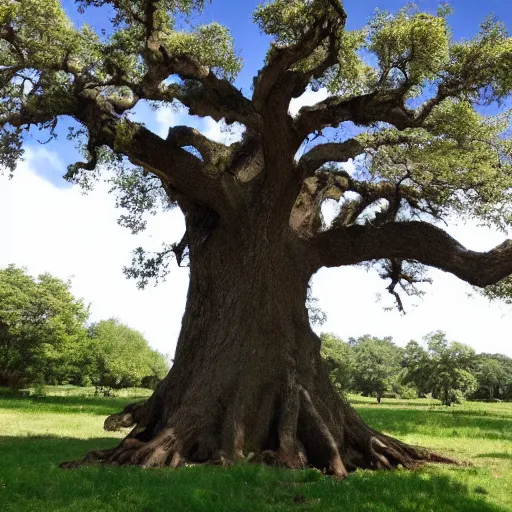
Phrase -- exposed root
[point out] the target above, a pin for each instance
(326, 448)
(298, 430)
(128, 417)
(390, 453)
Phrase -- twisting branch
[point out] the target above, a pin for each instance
(418, 241)
(295, 83)
(364, 110)
(219, 99)
(38, 114)
(212, 152)
(321, 154)
(277, 75)
(174, 165)
(310, 162)
(203, 92)
(332, 184)
(182, 171)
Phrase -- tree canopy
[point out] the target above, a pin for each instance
(424, 151)
(41, 326)
(438, 368)
(119, 357)
(445, 368)
(44, 338)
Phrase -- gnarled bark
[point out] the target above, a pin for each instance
(248, 382)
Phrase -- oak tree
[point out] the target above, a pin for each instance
(247, 375)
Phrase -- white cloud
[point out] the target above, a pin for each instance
(44, 157)
(218, 131)
(348, 295)
(68, 234)
(307, 99)
(169, 116)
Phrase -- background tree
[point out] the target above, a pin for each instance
(376, 365)
(415, 361)
(120, 357)
(494, 375)
(42, 327)
(254, 229)
(445, 368)
(339, 360)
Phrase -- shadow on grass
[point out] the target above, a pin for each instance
(494, 456)
(354, 400)
(66, 404)
(30, 480)
(445, 423)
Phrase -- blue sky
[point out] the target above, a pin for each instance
(53, 228)
(252, 45)
(237, 15)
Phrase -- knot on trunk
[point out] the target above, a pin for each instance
(128, 417)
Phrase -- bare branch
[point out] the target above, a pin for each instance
(417, 241)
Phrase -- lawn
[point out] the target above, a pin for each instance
(38, 433)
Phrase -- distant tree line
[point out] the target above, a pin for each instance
(45, 339)
(446, 370)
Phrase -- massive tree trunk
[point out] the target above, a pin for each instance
(248, 381)
(248, 378)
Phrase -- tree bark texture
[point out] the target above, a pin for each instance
(248, 382)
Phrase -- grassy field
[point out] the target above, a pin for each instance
(38, 433)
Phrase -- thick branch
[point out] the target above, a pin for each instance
(183, 171)
(344, 151)
(417, 241)
(329, 152)
(277, 75)
(38, 114)
(282, 59)
(363, 110)
(295, 83)
(204, 93)
(211, 152)
(219, 99)
(176, 167)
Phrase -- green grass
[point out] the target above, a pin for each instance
(38, 433)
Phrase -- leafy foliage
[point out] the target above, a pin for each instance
(41, 326)
(44, 339)
(444, 368)
(339, 360)
(377, 363)
(369, 365)
(494, 375)
(119, 357)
